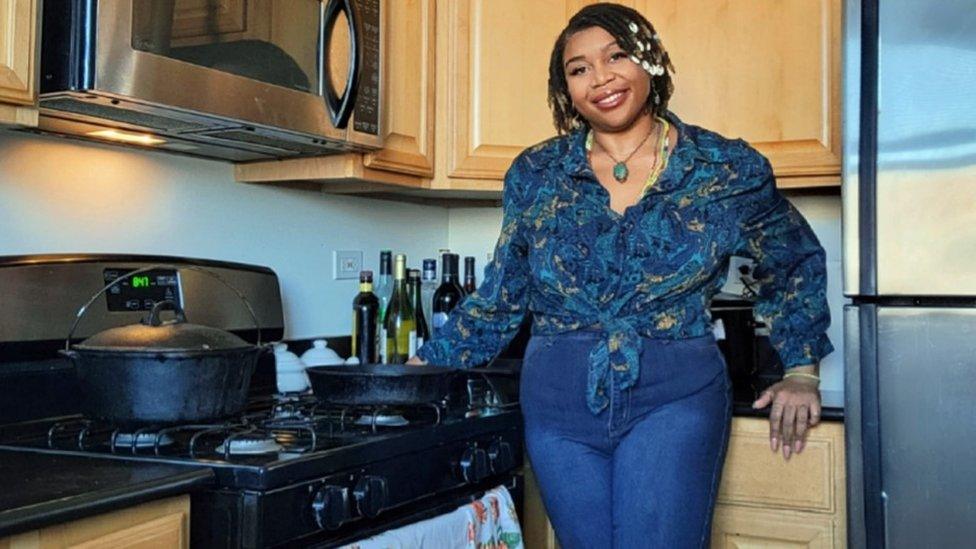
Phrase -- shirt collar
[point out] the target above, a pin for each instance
(575, 160)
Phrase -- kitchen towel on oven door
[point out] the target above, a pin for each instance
(489, 522)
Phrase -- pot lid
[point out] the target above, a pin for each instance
(153, 334)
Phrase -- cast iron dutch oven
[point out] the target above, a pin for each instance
(161, 372)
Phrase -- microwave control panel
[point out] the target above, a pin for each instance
(366, 117)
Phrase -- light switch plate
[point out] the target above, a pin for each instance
(346, 264)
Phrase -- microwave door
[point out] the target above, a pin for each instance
(340, 104)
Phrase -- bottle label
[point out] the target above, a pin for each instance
(413, 344)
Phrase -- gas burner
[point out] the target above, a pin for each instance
(142, 440)
(382, 420)
(290, 406)
(249, 445)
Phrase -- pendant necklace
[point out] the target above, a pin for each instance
(620, 170)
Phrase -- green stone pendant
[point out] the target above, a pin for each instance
(620, 172)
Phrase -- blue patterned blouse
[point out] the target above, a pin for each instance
(567, 257)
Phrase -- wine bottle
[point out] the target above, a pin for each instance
(448, 294)
(469, 282)
(423, 333)
(365, 320)
(384, 288)
(399, 323)
(428, 286)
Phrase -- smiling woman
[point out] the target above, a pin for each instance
(616, 236)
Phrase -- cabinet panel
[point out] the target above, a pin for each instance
(409, 80)
(740, 528)
(164, 523)
(496, 54)
(767, 71)
(18, 51)
(753, 474)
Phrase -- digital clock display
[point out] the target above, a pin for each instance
(140, 292)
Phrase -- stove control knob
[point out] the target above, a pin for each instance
(500, 457)
(474, 464)
(331, 506)
(371, 495)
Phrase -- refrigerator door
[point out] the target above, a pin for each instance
(926, 387)
(922, 241)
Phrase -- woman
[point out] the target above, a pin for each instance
(616, 235)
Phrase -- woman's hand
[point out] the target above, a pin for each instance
(416, 361)
(796, 407)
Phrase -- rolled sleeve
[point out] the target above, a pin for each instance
(486, 321)
(790, 269)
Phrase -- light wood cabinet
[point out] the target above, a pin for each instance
(158, 524)
(409, 102)
(19, 32)
(767, 71)
(763, 500)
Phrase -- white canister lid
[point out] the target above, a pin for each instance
(321, 355)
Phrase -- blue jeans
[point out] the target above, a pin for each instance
(645, 471)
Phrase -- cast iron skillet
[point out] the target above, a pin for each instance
(380, 384)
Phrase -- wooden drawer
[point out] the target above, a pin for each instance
(744, 528)
(754, 475)
(158, 524)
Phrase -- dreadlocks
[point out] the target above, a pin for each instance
(635, 35)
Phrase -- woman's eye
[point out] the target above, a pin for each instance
(618, 56)
(577, 71)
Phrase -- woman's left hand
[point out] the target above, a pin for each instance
(796, 407)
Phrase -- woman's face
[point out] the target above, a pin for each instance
(606, 87)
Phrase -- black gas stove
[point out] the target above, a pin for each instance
(290, 470)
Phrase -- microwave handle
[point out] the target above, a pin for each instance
(340, 107)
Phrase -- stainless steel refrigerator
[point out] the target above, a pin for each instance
(909, 195)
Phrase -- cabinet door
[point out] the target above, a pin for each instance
(743, 528)
(767, 71)
(409, 99)
(496, 59)
(18, 51)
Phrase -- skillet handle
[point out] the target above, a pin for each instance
(180, 314)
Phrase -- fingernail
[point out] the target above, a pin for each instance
(798, 446)
(774, 444)
(786, 451)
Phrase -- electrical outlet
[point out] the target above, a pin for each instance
(346, 264)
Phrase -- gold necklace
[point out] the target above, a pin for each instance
(620, 170)
(664, 142)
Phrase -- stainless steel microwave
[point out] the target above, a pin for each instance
(233, 79)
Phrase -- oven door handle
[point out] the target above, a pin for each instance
(340, 107)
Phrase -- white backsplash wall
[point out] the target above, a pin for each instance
(473, 231)
(65, 196)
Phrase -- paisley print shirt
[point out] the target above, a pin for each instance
(565, 256)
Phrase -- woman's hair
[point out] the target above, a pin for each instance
(635, 35)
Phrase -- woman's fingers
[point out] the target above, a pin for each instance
(775, 419)
(789, 428)
(802, 418)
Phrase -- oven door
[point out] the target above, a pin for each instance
(432, 508)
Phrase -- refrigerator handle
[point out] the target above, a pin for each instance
(884, 513)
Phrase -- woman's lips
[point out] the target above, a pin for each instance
(611, 101)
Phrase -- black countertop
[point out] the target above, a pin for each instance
(38, 490)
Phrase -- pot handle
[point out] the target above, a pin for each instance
(154, 314)
(153, 318)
